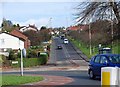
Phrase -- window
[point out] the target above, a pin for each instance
(3, 41)
(97, 59)
(103, 59)
(92, 59)
(115, 59)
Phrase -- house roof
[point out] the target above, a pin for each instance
(73, 28)
(33, 26)
(29, 27)
(15, 31)
(12, 35)
(78, 27)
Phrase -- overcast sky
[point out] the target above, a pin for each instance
(50, 14)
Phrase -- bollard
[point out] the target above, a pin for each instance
(119, 77)
(109, 76)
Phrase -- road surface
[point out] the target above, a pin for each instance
(67, 56)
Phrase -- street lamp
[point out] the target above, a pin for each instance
(50, 22)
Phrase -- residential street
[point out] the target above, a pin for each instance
(58, 43)
(68, 56)
(63, 62)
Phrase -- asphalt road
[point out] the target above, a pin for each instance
(66, 56)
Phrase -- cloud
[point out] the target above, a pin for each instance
(38, 22)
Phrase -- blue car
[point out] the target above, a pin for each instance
(102, 60)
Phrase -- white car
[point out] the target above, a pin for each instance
(66, 41)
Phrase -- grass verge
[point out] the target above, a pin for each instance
(86, 50)
(18, 80)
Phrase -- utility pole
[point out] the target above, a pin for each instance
(90, 35)
(112, 32)
(90, 38)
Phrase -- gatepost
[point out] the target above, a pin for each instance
(110, 76)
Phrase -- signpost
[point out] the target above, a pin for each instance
(21, 62)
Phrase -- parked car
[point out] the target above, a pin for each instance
(65, 41)
(59, 47)
(105, 50)
(102, 60)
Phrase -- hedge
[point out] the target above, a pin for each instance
(29, 62)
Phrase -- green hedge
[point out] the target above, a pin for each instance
(29, 62)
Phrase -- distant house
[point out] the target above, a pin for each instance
(19, 34)
(78, 28)
(27, 28)
(73, 28)
(10, 41)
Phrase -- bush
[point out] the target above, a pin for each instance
(31, 53)
(19, 54)
(5, 62)
(12, 55)
(29, 62)
(43, 58)
(1, 59)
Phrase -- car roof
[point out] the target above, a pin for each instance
(108, 54)
(65, 39)
(59, 45)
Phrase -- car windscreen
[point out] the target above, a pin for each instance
(115, 59)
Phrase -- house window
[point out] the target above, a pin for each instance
(2, 41)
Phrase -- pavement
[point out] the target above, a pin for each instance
(52, 81)
(47, 68)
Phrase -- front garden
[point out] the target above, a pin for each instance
(35, 56)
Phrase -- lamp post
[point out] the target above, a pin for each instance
(90, 39)
(50, 23)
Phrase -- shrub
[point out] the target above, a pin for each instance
(4, 61)
(43, 58)
(12, 55)
(19, 54)
(29, 62)
(31, 53)
(1, 59)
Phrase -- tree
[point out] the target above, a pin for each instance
(99, 10)
(45, 34)
(43, 28)
(8, 26)
(34, 37)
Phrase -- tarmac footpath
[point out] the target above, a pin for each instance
(50, 81)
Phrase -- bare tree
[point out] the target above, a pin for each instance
(99, 10)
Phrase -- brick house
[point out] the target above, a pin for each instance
(19, 34)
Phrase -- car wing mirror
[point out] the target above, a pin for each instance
(105, 63)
